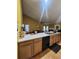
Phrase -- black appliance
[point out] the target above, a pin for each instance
(45, 42)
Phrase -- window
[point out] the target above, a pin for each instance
(27, 28)
(46, 28)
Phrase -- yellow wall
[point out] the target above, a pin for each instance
(19, 15)
(33, 24)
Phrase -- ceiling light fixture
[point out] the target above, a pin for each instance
(44, 9)
(46, 1)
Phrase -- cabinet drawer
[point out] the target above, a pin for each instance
(52, 40)
(37, 40)
(25, 43)
(37, 47)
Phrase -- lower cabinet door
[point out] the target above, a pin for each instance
(59, 37)
(25, 51)
(52, 40)
(37, 46)
(56, 38)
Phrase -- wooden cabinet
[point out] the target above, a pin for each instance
(57, 38)
(52, 40)
(37, 46)
(25, 50)
(29, 48)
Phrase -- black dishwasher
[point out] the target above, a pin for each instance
(45, 42)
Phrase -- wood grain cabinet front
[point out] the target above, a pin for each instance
(25, 50)
(52, 40)
(57, 38)
(37, 46)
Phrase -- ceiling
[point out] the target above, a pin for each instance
(33, 9)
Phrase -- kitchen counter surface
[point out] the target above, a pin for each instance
(35, 36)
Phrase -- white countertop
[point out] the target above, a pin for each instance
(34, 36)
